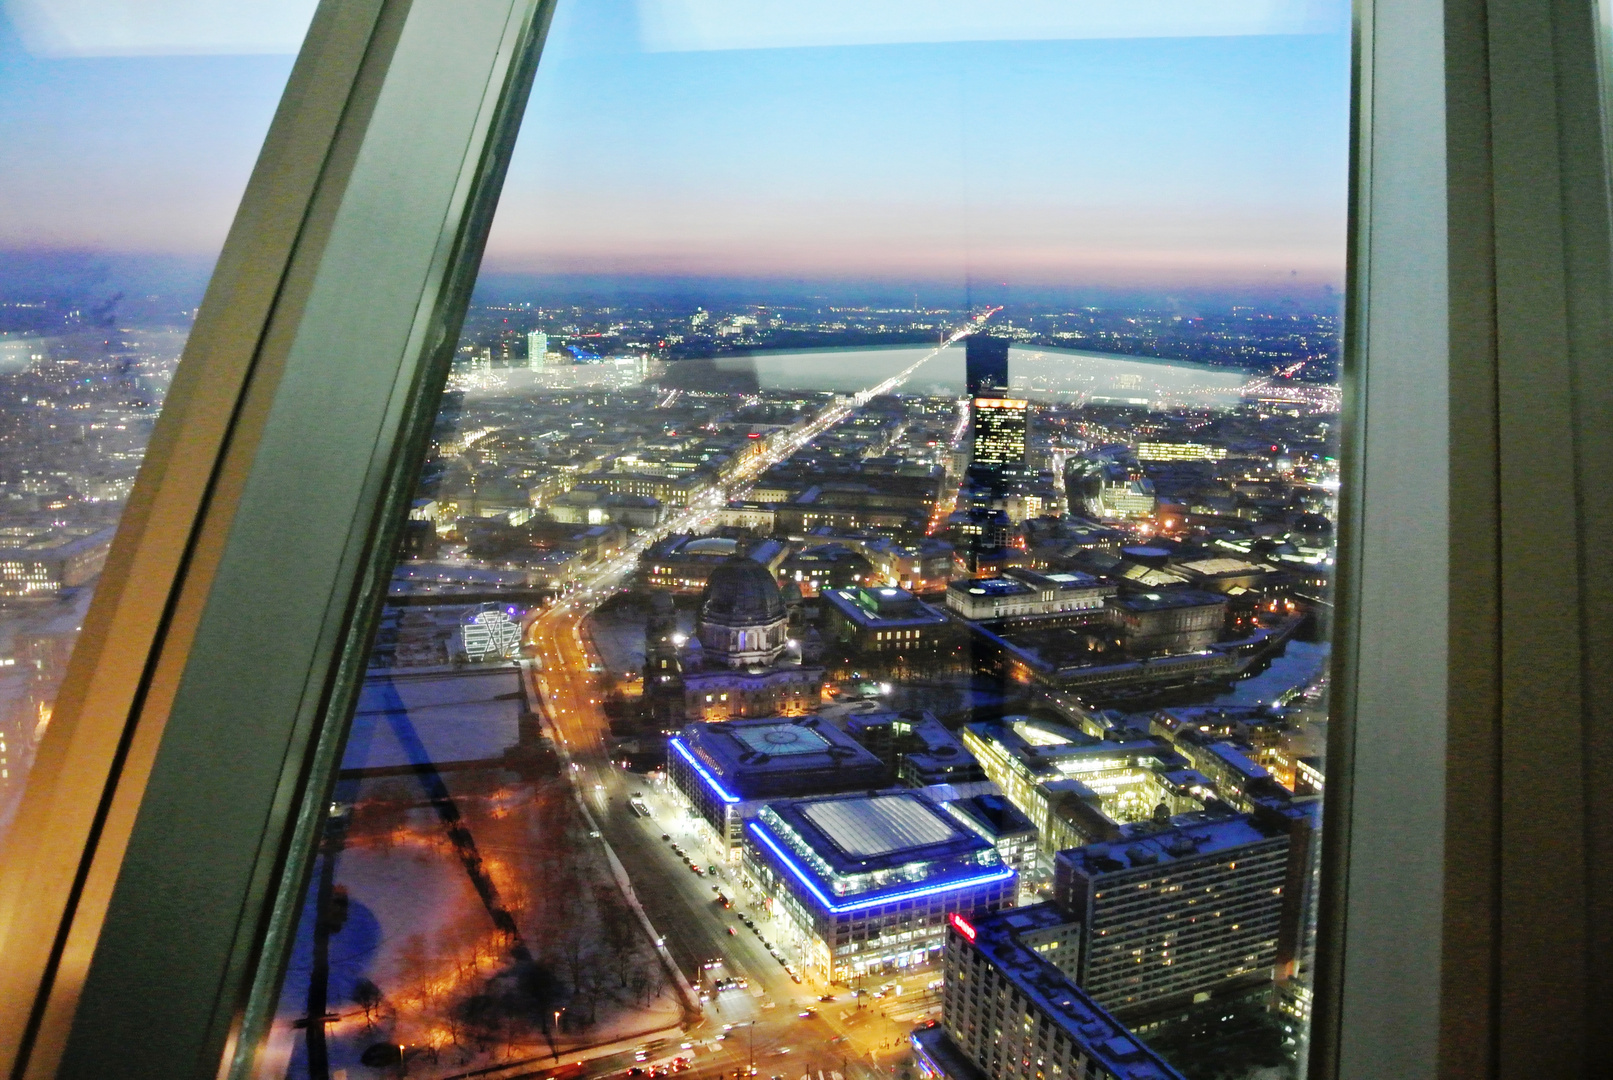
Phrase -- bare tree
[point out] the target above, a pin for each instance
(367, 996)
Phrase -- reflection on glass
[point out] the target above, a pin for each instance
(865, 610)
(119, 178)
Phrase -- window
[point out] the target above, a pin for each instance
(127, 149)
(182, 803)
(646, 320)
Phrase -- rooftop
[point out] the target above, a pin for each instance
(997, 586)
(1109, 1042)
(991, 816)
(777, 758)
(1161, 601)
(863, 827)
(857, 851)
(1189, 836)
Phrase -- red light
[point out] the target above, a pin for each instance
(961, 925)
(753, 435)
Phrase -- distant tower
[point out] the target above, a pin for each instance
(985, 365)
(999, 436)
(537, 349)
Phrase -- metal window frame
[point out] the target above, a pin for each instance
(163, 843)
(183, 773)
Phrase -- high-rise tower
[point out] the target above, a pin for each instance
(985, 362)
(999, 436)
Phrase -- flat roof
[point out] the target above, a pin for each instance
(879, 825)
(1189, 837)
(991, 587)
(1172, 598)
(875, 849)
(1215, 566)
(1086, 1023)
(738, 762)
(781, 739)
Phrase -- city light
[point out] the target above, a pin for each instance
(877, 898)
(711, 781)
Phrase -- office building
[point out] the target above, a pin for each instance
(999, 435)
(1010, 1010)
(537, 349)
(1169, 915)
(882, 620)
(40, 564)
(1077, 788)
(994, 818)
(726, 770)
(866, 881)
(1179, 451)
(985, 360)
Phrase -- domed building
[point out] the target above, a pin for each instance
(743, 620)
(741, 661)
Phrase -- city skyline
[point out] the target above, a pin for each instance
(1150, 162)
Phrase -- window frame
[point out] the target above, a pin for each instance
(1463, 861)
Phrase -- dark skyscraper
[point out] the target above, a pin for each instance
(985, 365)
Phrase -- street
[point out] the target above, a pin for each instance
(773, 1026)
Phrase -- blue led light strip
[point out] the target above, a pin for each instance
(873, 901)
(677, 744)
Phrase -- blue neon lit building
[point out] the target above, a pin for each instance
(727, 770)
(867, 880)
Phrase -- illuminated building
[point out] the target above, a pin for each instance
(882, 620)
(1078, 788)
(866, 881)
(1011, 1011)
(740, 662)
(537, 349)
(999, 436)
(726, 770)
(1179, 451)
(1167, 914)
(41, 564)
(1028, 594)
(1170, 621)
(681, 564)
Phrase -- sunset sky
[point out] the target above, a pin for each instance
(1053, 144)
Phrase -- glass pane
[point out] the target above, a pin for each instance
(127, 148)
(865, 610)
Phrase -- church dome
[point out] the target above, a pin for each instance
(741, 592)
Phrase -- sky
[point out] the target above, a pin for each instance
(1049, 143)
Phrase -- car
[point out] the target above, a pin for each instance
(807, 1014)
(796, 977)
(827, 997)
(666, 836)
(781, 961)
(731, 930)
(711, 870)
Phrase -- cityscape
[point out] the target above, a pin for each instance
(794, 691)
